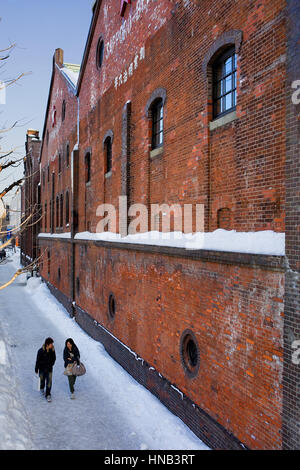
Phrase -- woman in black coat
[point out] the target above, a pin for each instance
(71, 355)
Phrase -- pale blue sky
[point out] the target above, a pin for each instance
(38, 27)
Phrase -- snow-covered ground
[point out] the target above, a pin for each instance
(111, 410)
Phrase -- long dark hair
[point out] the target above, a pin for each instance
(71, 341)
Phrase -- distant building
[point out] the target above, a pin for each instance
(31, 198)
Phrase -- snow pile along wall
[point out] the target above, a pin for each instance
(14, 424)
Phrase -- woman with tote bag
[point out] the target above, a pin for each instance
(73, 366)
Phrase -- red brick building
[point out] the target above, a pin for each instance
(30, 199)
(181, 102)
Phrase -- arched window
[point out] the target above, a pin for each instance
(57, 211)
(157, 112)
(219, 68)
(67, 155)
(61, 210)
(49, 262)
(67, 208)
(100, 53)
(108, 154)
(53, 116)
(63, 111)
(45, 217)
(224, 70)
(51, 216)
(87, 167)
(59, 163)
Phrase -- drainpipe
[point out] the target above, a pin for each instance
(74, 210)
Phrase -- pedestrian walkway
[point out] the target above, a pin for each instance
(111, 410)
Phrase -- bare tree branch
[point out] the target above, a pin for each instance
(10, 163)
(8, 49)
(14, 80)
(2, 131)
(29, 221)
(10, 187)
(12, 279)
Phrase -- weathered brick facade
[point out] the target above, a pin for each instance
(231, 304)
(30, 199)
(291, 415)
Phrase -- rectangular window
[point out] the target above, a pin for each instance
(87, 162)
(157, 124)
(45, 217)
(108, 154)
(224, 83)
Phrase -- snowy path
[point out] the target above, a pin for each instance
(111, 410)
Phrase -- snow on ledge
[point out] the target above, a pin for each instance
(266, 242)
(55, 235)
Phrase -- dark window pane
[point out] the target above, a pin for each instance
(100, 53)
(63, 112)
(67, 208)
(157, 124)
(108, 154)
(224, 83)
(67, 155)
(87, 167)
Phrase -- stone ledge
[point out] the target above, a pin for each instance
(156, 152)
(270, 262)
(222, 121)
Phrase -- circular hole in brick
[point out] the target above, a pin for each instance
(112, 306)
(189, 352)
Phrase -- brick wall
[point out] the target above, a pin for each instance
(238, 166)
(291, 377)
(231, 304)
(58, 135)
(57, 272)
